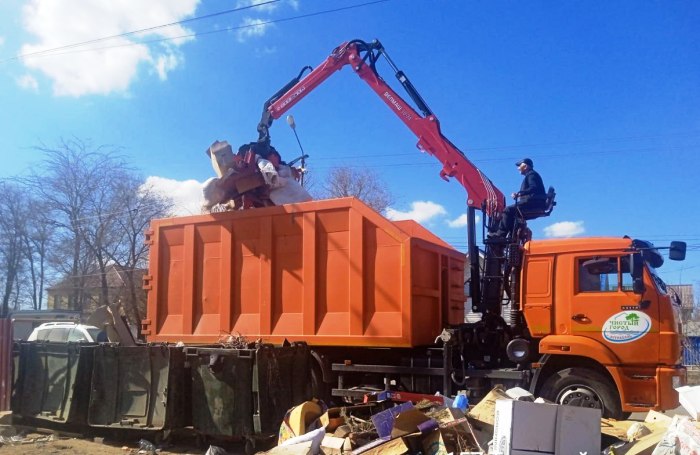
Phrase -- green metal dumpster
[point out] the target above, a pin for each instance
(280, 381)
(222, 400)
(244, 393)
(6, 361)
(51, 381)
(139, 387)
(16, 384)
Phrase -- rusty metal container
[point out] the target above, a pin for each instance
(246, 392)
(330, 272)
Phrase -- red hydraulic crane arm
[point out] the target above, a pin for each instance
(481, 193)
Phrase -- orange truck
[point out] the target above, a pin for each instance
(382, 303)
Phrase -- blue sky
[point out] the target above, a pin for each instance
(603, 96)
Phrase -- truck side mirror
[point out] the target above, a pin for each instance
(677, 251)
(636, 265)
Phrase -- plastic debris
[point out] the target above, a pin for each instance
(461, 402)
(146, 446)
(216, 450)
(21, 440)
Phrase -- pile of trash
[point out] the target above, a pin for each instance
(256, 176)
(505, 422)
(659, 434)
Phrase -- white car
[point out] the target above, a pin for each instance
(64, 332)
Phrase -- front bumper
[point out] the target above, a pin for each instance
(643, 389)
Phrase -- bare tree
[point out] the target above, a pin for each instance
(79, 216)
(37, 242)
(13, 210)
(71, 182)
(106, 207)
(362, 183)
(140, 204)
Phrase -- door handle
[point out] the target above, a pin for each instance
(580, 317)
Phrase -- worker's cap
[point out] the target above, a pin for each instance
(527, 161)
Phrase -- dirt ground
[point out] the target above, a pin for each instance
(33, 441)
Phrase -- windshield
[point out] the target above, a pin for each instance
(660, 285)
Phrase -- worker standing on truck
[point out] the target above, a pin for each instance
(531, 197)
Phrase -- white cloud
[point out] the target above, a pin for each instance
(253, 28)
(28, 82)
(565, 229)
(461, 221)
(186, 195)
(114, 67)
(458, 222)
(165, 63)
(421, 211)
(2, 40)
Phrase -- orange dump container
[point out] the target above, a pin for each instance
(330, 272)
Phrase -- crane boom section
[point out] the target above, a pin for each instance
(481, 193)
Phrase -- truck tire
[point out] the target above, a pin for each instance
(319, 389)
(585, 388)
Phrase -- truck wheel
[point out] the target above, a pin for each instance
(319, 389)
(249, 448)
(585, 388)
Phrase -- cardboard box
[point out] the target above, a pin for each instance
(408, 422)
(298, 420)
(447, 415)
(656, 422)
(455, 437)
(383, 447)
(525, 426)
(482, 415)
(332, 445)
(221, 156)
(384, 421)
(332, 419)
(435, 444)
(689, 397)
(455, 434)
(342, 431)
(484, 410)
(577, 430)
(520, 394)
(303, 415)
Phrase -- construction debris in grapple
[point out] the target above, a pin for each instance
(254, 177)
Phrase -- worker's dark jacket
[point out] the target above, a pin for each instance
(532, 189)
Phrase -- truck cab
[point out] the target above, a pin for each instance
(597, 310)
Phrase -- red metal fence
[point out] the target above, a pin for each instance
(5, 363)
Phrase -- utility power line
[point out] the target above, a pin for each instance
(482, 160)
(47, 53)
(134, 32)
